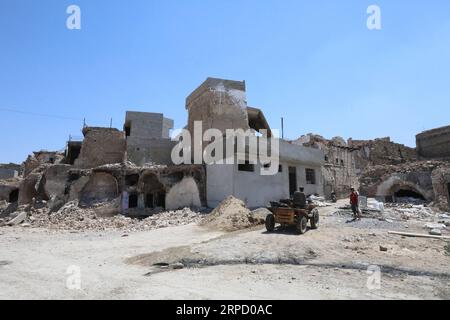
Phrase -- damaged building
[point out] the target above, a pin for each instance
(132, 167)
(385, 170)
(222, 104)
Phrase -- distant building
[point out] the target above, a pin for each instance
(434, 143)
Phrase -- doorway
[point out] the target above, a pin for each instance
(292, 180)
(448, 190)
(133, 201)
(14, 196)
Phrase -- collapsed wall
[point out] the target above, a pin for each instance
(101, 146)
(434, 143)
(345, 162)
(132, 190)
(39, 158)
(218, 104)
(428, 181)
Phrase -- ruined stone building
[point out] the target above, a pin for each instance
(11, 170)
(434, 144)
(132, 168)
(385, 170)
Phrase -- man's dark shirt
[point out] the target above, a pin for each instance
(299, 200)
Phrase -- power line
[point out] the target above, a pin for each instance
(40, 114)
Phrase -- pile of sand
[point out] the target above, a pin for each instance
(231, 215)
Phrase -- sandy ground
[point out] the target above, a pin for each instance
(329, 263)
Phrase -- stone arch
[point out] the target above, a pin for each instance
(152, 190)
(395, 186)
(183, 194)
(406, 190)
(101, 187)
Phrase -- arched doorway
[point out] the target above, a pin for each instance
(405, 193)
(153, 191)
(101, 187)
(14, 196)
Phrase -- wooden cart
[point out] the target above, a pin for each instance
(292, 217)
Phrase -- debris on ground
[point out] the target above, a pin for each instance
(71, 217)
(21, 216)
(319, 201)
(436, 232)
(230, 215)
(447, 249)
(260, 214)
(373, 204)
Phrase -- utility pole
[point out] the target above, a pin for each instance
(282, 128)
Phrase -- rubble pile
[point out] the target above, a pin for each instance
(73, 218)
(231, 215)
(319, 201)
(408, 211)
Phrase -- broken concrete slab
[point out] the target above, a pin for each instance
(21, 217)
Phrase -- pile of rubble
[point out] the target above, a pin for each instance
(319, 201)
(73, 218)
(408, 211)
(232, 215)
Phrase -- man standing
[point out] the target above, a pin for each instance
(354, 202)
(300, 199)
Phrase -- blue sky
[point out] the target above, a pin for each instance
(313, 62)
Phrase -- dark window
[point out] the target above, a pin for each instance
(342, 163)
(292, 180)
(161, 200)
(131, 179)
(337, 161)
(310, 176)
(326, 159)
(14, 196)
(127, 131)
(149, 201)
(133, 200)
(280, 167)
(448, 189)
(247, 167)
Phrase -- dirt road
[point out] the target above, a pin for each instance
(330, 263)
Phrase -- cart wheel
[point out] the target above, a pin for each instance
(302, 225)
(315, 219)
(270, 223)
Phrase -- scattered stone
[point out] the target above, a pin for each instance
(177, 266)
(21, 216)
(436, 232)
(71, 217)
(434, 226)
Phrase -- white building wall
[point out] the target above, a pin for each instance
(253, 188)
